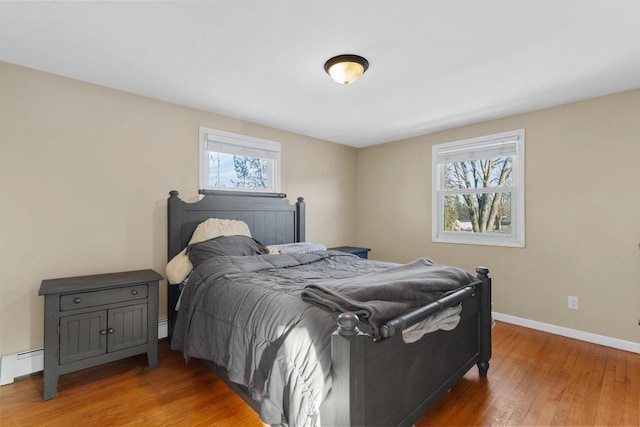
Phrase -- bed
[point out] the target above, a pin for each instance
(370, 374)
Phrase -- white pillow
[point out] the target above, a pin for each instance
(179, 267)
(290, 248)
(273, 250)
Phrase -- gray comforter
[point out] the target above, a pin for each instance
(246, 315)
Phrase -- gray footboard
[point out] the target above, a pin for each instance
(390, 383)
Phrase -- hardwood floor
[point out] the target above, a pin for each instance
(540, 379)
(535, 379)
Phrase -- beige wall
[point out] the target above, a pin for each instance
(582, 214)
(85, 172)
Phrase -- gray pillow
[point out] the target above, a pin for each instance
(235, 245)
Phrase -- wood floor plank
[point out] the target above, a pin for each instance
(632, 392)
(588, 383)
(619, 389)
(542, 407)
(534, 379)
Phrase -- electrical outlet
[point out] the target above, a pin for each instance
(573, 303)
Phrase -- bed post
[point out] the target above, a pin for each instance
(300, 214)
(174, 216)
(347, 345)
(485, 320)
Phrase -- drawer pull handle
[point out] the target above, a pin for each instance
(103, 332)
(134, 292)
(110, 330)
(77, 300)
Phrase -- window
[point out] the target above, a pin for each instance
(229, 161)
(478, 190)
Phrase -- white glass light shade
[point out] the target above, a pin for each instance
(346, 69)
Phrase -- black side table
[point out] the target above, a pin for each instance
(361, 252)
(91, 320)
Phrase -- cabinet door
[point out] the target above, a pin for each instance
(83, 336)
(127, 327)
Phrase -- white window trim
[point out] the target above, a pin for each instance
(269, 149)
(517, 238)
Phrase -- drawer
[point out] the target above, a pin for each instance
(106, 296)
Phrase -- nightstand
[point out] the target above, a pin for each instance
(361, 252)
(91, 320)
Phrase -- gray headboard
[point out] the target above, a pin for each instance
(270, 217)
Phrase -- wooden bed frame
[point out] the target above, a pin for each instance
(385, 382)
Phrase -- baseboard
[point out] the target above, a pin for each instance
(631, 346)
(163, 329)
(19, 364)
(29, 362)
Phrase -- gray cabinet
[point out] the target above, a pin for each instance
(91, 320)
(81, 336)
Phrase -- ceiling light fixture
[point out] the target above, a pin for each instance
(346, 69)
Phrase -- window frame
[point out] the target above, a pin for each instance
(237, 144)
(517, 190)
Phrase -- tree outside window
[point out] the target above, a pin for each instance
(480, 212)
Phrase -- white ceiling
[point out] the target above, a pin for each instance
(433, 64)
